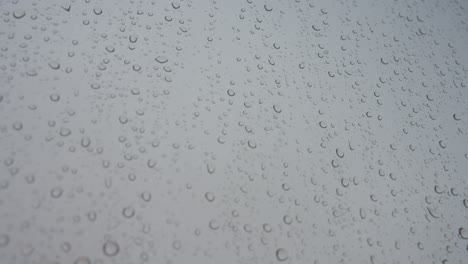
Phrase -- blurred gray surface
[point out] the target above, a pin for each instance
(233, 132)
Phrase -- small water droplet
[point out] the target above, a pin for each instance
(64, 132)
(17, 126)
(85, 142)
(277, 108)
(210, 168)
(231, 92)
(19, 14)
(97, 11)
(209, 196)
(145, 196)
(128, 212)
(281, 254)
(214, 225)
(110, 49)
(268, 8)
(54, 65)
(176, 245)
(56, 192)
(161, 59)
(110, 248)
(463, 232)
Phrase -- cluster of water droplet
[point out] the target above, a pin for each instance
(233, 131)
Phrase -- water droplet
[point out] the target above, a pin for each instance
(31, 72)
(209, 196)
(19, 14)
(214, 225)
(176, 245)
(281, 254)
(97, 11)
(85, 142)
(145, 196)
(56, 192)
(151, 163)
(161, 59)
(463, 232)
(110, 248)
(267, 227)
(128, 212)
(210, 168)
(17, 126)
(54, 65)
(54, 97)
(66, 247)
(175, 5)
(110, 49)
(136, 67)
(277, 108)
(123, 120)
(64, 132)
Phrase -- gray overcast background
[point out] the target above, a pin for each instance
(233, 131)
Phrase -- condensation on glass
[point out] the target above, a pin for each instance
(250, 131)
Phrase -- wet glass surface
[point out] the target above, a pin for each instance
(233, 131)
